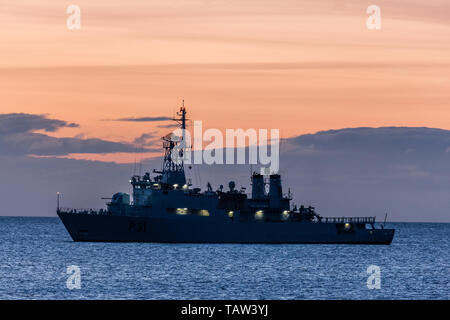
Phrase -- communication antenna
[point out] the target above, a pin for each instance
(384, 223)
(140, 158)
(57, 200)
(134, 166)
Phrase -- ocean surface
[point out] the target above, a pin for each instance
(36, 252)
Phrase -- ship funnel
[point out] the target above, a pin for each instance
(275, 191)
(258, 190)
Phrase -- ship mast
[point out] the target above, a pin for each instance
(173, 165)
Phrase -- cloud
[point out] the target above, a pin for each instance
(144, 119)
(146, 139)
(375, 140)
(18, 137)
(169, 125)
(21, 122)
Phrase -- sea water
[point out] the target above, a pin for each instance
(39, 260)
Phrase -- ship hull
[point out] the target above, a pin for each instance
(109, 228)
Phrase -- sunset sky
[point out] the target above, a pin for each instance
(300, 66)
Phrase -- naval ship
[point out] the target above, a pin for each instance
(166, 209)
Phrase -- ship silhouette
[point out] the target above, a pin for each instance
(165, 208)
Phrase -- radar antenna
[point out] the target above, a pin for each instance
(173, 164)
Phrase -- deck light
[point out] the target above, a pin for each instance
(182, 211)
(259, 214)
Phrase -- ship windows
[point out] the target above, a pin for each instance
(187, 211)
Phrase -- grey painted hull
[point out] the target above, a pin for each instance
(107, 228)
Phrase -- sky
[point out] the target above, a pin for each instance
(298, 66)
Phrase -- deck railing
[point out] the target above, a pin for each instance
(83, 210)
(348, 219)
